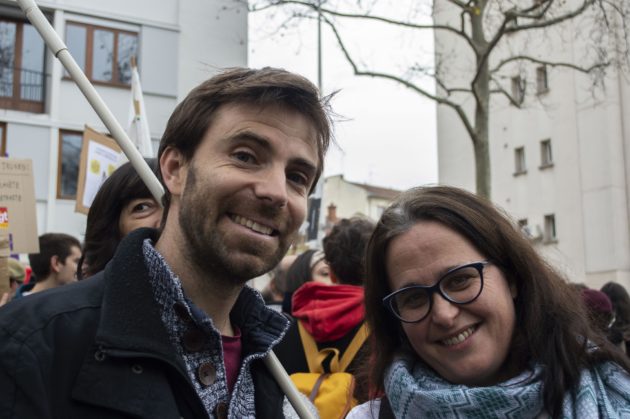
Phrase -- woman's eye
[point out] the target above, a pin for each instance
(142, 206)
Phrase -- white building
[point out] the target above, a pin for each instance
(178, 44)
(560, 164)
(355, 199)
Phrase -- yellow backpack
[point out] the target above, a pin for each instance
(332, 393)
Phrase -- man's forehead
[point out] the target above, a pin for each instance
(240, 116)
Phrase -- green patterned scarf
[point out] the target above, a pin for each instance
(415, 391)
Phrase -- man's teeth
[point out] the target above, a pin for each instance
(252, 225)
(459, 338)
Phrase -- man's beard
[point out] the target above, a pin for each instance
(206, 248)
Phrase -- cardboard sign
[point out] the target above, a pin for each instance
(100, 156)
(17, 200)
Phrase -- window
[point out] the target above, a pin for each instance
(21, 67)
(546, 158)
(68, 166)
(518, 89)
(550, 228)
(3, 139)
(542, 85)
(519, 161)
(104, 54)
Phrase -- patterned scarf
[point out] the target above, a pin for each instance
(415, 391)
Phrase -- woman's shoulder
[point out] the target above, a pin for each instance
(367, 410)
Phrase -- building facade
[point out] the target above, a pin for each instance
(560, 163)
(177, 44)
(348, 199)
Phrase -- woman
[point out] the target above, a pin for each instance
(469, 321)
(309, 266)
(122, 204)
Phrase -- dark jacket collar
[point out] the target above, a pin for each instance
(130, 317)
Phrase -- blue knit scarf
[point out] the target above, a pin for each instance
(415, 391)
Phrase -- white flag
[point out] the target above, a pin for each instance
(138, 128)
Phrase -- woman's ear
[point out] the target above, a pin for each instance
(174, 169)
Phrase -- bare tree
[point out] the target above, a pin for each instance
(494, 34)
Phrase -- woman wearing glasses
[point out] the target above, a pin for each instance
(468, 320)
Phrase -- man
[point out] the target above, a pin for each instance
(168, 329)
(55, 264)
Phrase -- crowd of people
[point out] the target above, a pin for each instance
(440, 308)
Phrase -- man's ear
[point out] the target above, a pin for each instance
(55, 264)
(174, 170)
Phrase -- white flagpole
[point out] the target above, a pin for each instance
(37, 18)
(138, 127)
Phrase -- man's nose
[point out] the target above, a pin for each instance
(272, 186)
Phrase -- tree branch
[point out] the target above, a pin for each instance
(549, 63)
(381, 19)
(545, 23)
(500, 90)
(440, 100)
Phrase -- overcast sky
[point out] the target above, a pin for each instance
(387, 135)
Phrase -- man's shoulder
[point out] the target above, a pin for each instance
(68, 304)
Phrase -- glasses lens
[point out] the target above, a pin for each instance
(412, 304)
(462, 285)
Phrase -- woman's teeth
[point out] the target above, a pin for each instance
(459, 338)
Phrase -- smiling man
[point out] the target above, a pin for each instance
(169, 328)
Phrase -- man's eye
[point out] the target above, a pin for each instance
(298, 178)
(244, 156)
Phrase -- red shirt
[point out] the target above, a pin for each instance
(232, 357)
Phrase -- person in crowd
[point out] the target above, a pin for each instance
(332, 314)
(462, 308)
(599, 309)
(310, 265)
(121, 205)
(17, 274)
(169, 328)
(55, 264)
(273, 294)
(620, 330)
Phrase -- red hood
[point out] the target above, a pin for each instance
(328, 312)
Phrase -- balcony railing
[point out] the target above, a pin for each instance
(22, 89)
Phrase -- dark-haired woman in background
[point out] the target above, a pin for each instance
(308, 266)
(122, 204)
(469, 321)
(619, 331)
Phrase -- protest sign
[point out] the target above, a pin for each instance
(17, 201)
(100, 156)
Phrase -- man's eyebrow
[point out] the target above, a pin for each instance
(263, 142)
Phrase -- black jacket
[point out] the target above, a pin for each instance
(98, 349)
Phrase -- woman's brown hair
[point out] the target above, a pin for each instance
(552, 327)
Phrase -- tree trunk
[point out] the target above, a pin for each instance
(481, 89)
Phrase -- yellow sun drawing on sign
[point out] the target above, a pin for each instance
(95, 167)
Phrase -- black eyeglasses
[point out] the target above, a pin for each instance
(460, 285)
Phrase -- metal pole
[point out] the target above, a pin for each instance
(37, 18)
